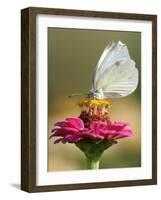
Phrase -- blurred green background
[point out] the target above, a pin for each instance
(72, 58)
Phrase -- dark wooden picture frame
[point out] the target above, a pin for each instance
(28, 98)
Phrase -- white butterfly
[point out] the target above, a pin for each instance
(116, 75)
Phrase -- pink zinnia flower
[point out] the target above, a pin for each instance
(73, 130)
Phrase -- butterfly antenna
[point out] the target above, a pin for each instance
(73, 95)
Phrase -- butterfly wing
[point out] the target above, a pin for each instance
(116, 75)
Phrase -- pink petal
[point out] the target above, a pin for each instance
(91, 136)
(72, 138)
(61, 124)
(75, 122)
(124, 133)
(118, 126)
(97, 126)
(58, 140)
(64, 131)
(121, 123)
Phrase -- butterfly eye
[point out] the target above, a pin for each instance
(117, 63)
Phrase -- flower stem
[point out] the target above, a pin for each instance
(93, 151)
(92, 164)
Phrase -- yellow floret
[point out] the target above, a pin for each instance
(95, 102)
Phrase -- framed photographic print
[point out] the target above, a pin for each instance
(89, 99)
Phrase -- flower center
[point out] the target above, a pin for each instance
(94, 109)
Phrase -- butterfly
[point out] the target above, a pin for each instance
(116, 75)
